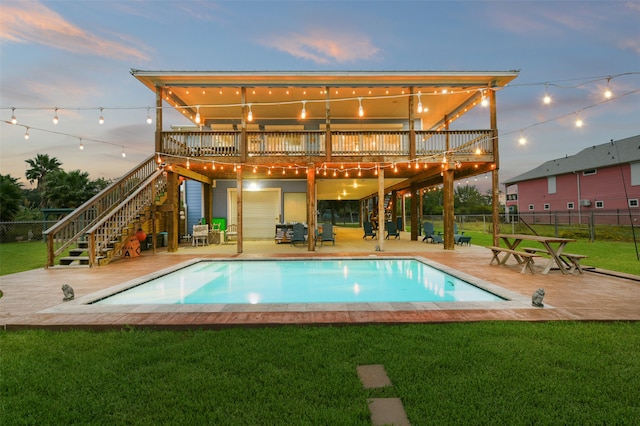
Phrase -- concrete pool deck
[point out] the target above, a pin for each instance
(33, 299)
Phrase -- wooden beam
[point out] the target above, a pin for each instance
(182, 171)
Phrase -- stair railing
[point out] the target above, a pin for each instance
(73, 226)
(109, 229)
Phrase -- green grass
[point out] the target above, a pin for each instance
(475, 373)
(23, 256)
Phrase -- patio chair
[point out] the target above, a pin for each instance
(327, 234)
(298, 234)
(200, 234)
(231, 233)
(392, 230)
(368, 230)
(430, 233)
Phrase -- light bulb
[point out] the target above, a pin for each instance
(419, 103)
(14, 120)
(149, 120)
(123, 153)
(303, 114)
(607, 92)
(198, 114)
(101, 119)
(250, 115)
(546, 99)
(26, 134)
(360, 109)
(579, 122)
(55, 116)
(522, 140)
(81, 146)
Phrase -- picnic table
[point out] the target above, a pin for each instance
(553, 246)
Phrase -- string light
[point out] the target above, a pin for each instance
(14, 120)
(124, 154)
(55, 116)
(547, 98)
(607, 92)
(101, 119)
(579, 122)
(484, 102)
(149, 120)
(419, 103)
(26, 134)
(360, 109)
(198, 115)
(522, 139)
(250, 115)
(81, 145)
(303, 114)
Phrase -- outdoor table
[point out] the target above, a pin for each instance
(513, 241)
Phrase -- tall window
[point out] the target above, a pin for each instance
(551, 184)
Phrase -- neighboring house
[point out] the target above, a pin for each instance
(599, 178)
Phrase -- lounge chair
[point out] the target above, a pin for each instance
(430, 233)
(327, 234)
(298, 234)
(368, 230)
(392, 230)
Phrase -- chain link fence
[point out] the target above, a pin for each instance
(11, 232)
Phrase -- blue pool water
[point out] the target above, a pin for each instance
(303, 281)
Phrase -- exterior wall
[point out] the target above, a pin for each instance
(606, 186)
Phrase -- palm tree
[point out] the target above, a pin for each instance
(41, 165)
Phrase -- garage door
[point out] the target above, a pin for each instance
(260, 212)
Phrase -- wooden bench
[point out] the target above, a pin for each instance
(526, 258)
(572, 260)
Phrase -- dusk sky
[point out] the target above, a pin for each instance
(77, 56)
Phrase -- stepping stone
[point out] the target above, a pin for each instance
(387, 411)
(373, 376)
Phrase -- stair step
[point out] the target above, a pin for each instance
(82, 244)
(74, 260)
(77, 251)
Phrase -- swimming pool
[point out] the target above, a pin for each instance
(302, 281)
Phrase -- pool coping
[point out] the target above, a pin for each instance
(83, 305)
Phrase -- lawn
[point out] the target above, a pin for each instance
(474, 373)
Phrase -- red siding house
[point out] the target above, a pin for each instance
(597, 179)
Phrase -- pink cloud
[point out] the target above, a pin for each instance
(33, 22)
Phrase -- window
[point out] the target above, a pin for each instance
(589, 172)
(551, 184)
(633, 202)
(530, 206)
(635, 174)
(570, 206)
(599, 204)
(547, 206)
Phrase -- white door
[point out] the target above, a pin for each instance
(260, 212)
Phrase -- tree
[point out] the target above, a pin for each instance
(41, 166)
(69, 190)
(10, 197)
(469, 200)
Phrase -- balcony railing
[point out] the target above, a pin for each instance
(313, 143)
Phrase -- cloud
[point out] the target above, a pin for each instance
(324, 48)
(33, 22)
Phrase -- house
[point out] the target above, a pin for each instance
(263, 147)
(600, 178)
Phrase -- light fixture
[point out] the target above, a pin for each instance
(149, 120)
(419, 103)
(101, 119)
(547, 98)
(250, 115)
(607, 92)
(81, 145)
(303, 114)
(14, 120)
(579, 122)
(198, 114)
(188, 165)
(360, 109)
(55, 116)
(522, 139)
(159, 160)
(484, 102)
(124, 154)
(26, 134)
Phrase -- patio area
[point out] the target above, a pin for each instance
(33, 299)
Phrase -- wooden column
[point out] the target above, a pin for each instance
(416, 220)
(381, 215)
(448, 199)
(158, 118)
(173, 215)
(311, 207)
(206, 203)
(243, 126)
(327, 118)
(239, 208)
(412, 130)
(495, 182)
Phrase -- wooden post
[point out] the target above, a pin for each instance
(206, 201)
(311, 207)
(158, 118)
(327, 117)
(173, 221)
(495, 180)
(381, 215)
(448, 199)
(239, 208)
(416, 222)
(412, 130)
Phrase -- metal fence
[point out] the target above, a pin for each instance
(11, 232)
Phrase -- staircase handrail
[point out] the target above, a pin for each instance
(70, 228)
(131, 206)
